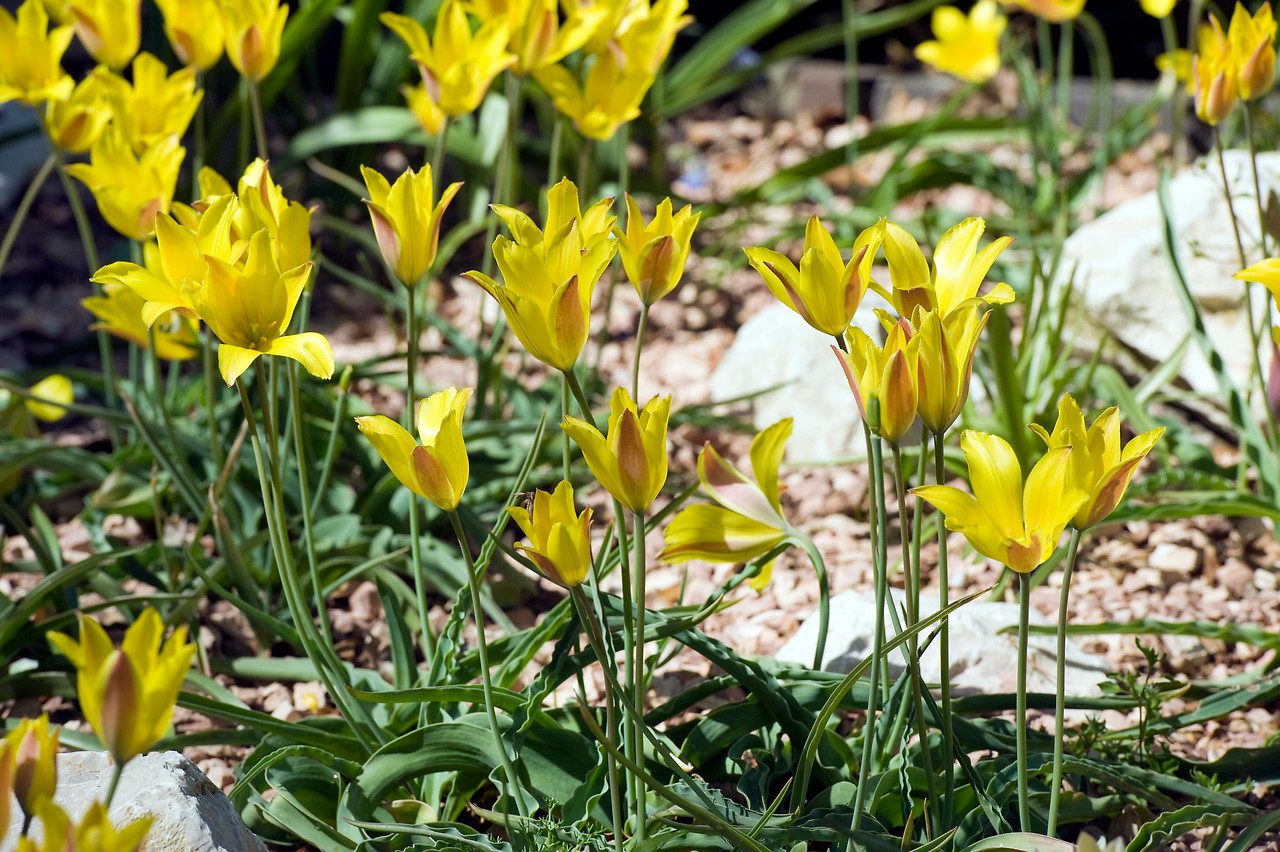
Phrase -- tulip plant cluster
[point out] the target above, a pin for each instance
(228, 279)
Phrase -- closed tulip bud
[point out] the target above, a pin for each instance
(631, 462)
(559, 538)
(406, 220)
(32, 756)
(1252, 44)
(252, 30)
(31, 56)
(194, 29)
(654, 255)
(77, 122)
(111, 30)
(1215, 73)
(946, 364)
(883, 378)
(437, 469)
(608, 97)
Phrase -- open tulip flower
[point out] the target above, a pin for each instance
(155, 105)
(748, 522)
(119, 310)
(608, 97)
(131, 189)
(127, 695)
(825, 291)
(654, 255)
(262, 205)
(645, 36)
(959, 269)
(883, 378)
(1054, 11)
(194, 30)
(539, 38)
(1015, 525)
(31, 756)
(631, 463)
(438, 468)
(1098, 466)
(945, 363)
(251, 30)
(1253, 47)
(966, 46)
(31, 56)
(406, 220)
(1266, 273)
(111, 30)
(457, 67)
(559, 538)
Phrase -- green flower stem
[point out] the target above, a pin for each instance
(1178, 104)
(581, 397)
(410, 411)
(438, 149)
(637, 671)
(566, 444)
(210, 360)
(116, 771)
(553, 157)
(1226, 192)
(295, 399)
(259, 126)
(24, 208)
(584, 166)
(330, 450)
(824, 591)
(511, 780)
(630, 740)
(1066, 67)
(880, 558)
(1020, 720)
(1059, 708)
(944, 638)
(1250, 131)
(635, 364)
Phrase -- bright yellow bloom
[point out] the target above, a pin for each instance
(645, 39)
(31, 56)
(428, 113)
(1253, 46)
(111, 30)
(51, 394)
(1266, 273)
(249, 308)
(1097, 466)
(539, 39)
(1158, 8)
(457, 67)
(1055, 11)
(95, 833)
(19, 414)
(131, 190)
(262, 205)
(405, 221)
(548, 280)
(252, 29)
(967, 47)
(749, 522)
(654, 255)
(631, 463)
(438, 468)
(155, 105)
(77, 122)
(945, 364)
(883, 379)
(127, 695)
(959, 269)
(194, 29)
(1180, 63)
(559, 538)
(120, 311)
(608, 98)
(825, 291)
(1216, 74)
(1004, 521)
(31, 757)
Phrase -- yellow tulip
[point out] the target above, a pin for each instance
(645, 39)
(50, 394)
(559, 538)
(609, 97)
(539, 39)
(883, 378)
(31, 56)
(749, 522)
(31, 758)
(405, 221)
(631, 463)
(1180, 63)
(249, 308)
(120, 311)
(428, 113)
(76, 123)
(251, 30)
(959, 269)
(457, 67)
(654, 255)
(438, 468)
(968, 47)
(127, 695)
(1055, 11)
(1016, 526)
(825, 291)
(94, 833)
(1252, 39)
(1098, 467)
(548, 279)
(111, 30)
(1266, 273)
(194, 30)
(1215, 72)
(1158, 8)
(945, 364)
(155, 105)
(131, 190)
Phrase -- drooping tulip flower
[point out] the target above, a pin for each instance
(194, 30)
(883, 378)
(155, 105)
(406, 220)
(436, 469)
(959, 269)
(130, 189)
(654, 255)
(1015, 524)
(1098, 466)
(119, 310)
(559, 537)
(111, 30)
(967, 47)
(631, 462)
(251, 31)
(31, 56)
(128, 694)
(825, 290)
(1054, 11)
(608, 97)
(76, 123)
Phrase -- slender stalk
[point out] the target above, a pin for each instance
(1020, 721)
(197, 134)
(116, 771)
(511, 780)
(584, 166)
(24, 207)
(553, 158)
(1226, 192)
(210, 360)
(438, 149)
(330, 450)
(1251, 132)
(580, 396)
(1059, 707)
(638, 683)
(635, 364)
(295, 399)
(824, 594)
(566, 443)
(1066, 63)
(944, 638)
(630, 741)
(624, 171)
(259, 126)
(410, 409)
(880, 558)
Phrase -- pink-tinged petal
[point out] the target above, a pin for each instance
(433, 480)
(728, 487)
(851, 378)
(633, 465)
(1108, 494)
(388, 238)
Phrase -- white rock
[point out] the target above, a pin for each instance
(983, 659)
(189, 813)
(1174, 561)
(1125, 283)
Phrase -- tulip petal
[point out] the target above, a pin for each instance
(996, 479)
(716, 534)
(395, 445)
